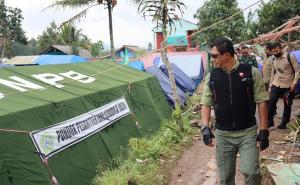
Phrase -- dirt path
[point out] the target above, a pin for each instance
(197, 166)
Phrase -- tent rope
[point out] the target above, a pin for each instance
(14, 131)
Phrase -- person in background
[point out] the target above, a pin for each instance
(246, 58)
(267, 65)
(284, 78)
(234, 89)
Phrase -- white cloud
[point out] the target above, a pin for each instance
(129, 27)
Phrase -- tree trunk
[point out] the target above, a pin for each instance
(166, 61)
(3, 48)
(111, 35)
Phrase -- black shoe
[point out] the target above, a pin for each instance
(281, 126)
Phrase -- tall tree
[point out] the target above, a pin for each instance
(163, 12)
(275, 13)
(87, 4)
(48, 37)
(214, 11)
(10, 27)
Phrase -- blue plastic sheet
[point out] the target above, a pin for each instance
(166, 86)
(58, 59)
(184, 82)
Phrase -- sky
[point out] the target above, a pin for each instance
(129, 27)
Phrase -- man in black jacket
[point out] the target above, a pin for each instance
(234, 89)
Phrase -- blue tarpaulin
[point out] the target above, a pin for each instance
(184, 82)
(297, 55)
(58, 59)
(166, 86)
(139, 65)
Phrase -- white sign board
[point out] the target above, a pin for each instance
(57, 137)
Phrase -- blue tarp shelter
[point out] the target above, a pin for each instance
(184, 82)
(166, 85)
(58, 59)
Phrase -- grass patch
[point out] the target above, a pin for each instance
(150, 159)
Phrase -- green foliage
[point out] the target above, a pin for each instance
(214, 11)
(97, 49)
(10, 27)
(275, 13)
(11, 24)
(148, 156)
(294, 126)
(162, 12)
(65, 35)
(48, 37)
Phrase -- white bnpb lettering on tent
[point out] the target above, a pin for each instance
(51, 140)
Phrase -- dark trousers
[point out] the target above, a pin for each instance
(288, 97)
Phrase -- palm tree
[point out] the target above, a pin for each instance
(163, 13)
(87, 4)
(69, 35)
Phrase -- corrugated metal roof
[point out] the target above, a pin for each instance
(180, 27)
(68, 50)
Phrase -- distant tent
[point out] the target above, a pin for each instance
(184, 82)
(59, 104)
(166, 86)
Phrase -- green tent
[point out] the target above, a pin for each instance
(83, 105)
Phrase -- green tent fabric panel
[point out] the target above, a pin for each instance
(116, 136)
(19, 162)
(77, 164)
(149, 105)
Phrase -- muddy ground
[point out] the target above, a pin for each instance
(197, 166)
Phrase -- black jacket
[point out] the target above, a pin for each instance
(233, 98)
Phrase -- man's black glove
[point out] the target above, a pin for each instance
(263, 139)
(207, 135)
